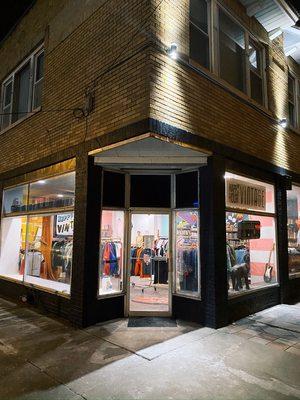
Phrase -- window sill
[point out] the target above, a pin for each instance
(223, 84)
(295, 275)
(249, 292)
(109, 295)
(188, 296)
(35, 286)
(14, 124)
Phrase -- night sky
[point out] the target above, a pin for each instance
(12, 11)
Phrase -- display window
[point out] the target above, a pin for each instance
(15, 199)
(36, 248)
(13, 245)
(251, 251)
(293, 228)
(52, 193)
(111, 261)
(48, 260)
(187, 258)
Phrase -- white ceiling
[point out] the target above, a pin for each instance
(151, 153)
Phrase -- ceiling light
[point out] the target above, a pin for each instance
(60, 195)
(283, 123)
(172, 51)
(42, 182)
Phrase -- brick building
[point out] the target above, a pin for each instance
(150, 158)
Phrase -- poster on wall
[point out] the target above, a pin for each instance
(64, 224)
(244, 195)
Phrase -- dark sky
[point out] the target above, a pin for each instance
(12, 11)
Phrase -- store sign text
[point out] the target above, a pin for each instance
(64, 224)
(240, 194)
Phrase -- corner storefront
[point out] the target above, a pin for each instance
(150, 226)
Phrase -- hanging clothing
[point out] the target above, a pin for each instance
(34, 260)
(111, 254)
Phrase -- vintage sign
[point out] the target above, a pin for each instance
(244, 195)
(64, 224)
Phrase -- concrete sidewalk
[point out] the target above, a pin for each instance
(44, 358)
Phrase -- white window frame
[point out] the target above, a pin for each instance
(209, 35)
(11, 78)
(214, 50)
(294, 123)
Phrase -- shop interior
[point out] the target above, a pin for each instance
(149, 263)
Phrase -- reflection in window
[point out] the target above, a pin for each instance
(291, 98)
(15, 199)
(256, 80)
(251, 263)
(231, 51)
(48, 260)
(293, 225)
(199, 35)
(13, 244)
(111, 252)
(187, 252)
(54, 192)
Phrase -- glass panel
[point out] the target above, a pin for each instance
(198, 14)
(199, 46)
(187, 252)
(149, 263)
(7, 94)
(38, 87)
(150, 191)
(52, 193)
(255, 58)
(293, 226)
(256, 86)
(249, 194)
(232, 46)
(113, 189)
(111, 252)
(48, 261)
(291, 114)
(251, 263)
(15, 199)
(291, 88)
(7, 105)
(12, 250)
(187, 190)
(21, 93)
(39, 71)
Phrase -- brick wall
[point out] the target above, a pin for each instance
(190, 101)
(81, 42)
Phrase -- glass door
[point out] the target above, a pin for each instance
(148, 263)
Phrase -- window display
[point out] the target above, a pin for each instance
(49, 252)
(187, 252)
(54, 192)
(149, 263)
(111, 252)
(13, 244)
(293, 226)
(250, 235)
(37, 248)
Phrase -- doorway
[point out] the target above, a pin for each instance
(149, 263)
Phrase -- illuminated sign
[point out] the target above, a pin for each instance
(244, 195)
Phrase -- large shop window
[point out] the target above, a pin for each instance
(250, 234)
(22, 90)
(37, 233)
(293, 226)
(111, 252)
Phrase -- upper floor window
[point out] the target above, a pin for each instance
(199, 32)
(238, 58)
(292, 99)
(22, 90)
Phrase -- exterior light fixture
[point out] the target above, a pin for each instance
(172, 51)
(291, 51)
(275, 33)
(283, 122)
(41, 182)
